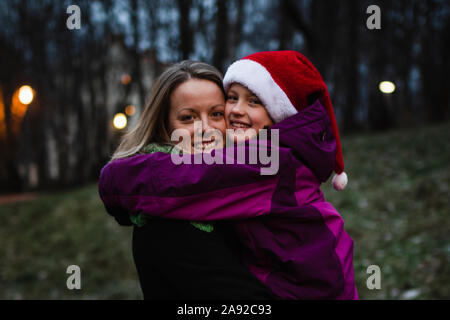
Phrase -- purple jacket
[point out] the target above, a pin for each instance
(294, 241)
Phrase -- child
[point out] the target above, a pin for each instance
(294, 241)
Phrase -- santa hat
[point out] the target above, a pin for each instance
(283, 81)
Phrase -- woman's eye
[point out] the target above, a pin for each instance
(187, 118)
(231, 98)
(217, 114)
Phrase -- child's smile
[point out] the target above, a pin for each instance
(239, 124)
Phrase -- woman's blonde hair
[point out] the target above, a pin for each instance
(153, 124)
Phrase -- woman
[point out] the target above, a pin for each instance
(180, 259)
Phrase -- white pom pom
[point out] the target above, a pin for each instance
(340, 181)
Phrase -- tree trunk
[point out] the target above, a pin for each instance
(184, 27)
(351, 70)
(221, 41)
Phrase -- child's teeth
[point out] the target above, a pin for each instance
(239, 125)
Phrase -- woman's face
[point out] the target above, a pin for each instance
(200, 101)
(244, 111)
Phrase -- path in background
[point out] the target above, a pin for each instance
(19, 197)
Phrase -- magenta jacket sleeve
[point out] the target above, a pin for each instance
(153, 184)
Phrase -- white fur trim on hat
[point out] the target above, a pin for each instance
(257, 79)
(340, 181)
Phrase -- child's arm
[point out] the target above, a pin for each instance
(152, 184)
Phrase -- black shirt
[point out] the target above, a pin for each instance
(175, 260)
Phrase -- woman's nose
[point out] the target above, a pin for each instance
(206, 125)
(202, 125)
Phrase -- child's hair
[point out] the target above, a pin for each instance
(153, 124)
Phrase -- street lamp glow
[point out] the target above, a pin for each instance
(387, 87)
(120, 121)
(26, 95)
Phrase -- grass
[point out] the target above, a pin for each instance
(42, 237)
(396, 208)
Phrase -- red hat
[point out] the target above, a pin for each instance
(283, 81)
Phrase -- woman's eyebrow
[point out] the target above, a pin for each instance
(188, 109)
(218, 105)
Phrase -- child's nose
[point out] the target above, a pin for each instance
(238, 108)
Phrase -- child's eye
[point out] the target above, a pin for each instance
(255, 101)
(231, 98)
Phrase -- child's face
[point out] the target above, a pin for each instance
(244, 111)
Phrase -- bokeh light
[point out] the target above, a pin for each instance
(387, 87)
(26, 94)
(120, 121)
(130, 110)
(126, 79)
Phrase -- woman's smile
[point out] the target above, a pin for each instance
(205, 145)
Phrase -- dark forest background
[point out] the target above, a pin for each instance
(81, 78)
(396, 146)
